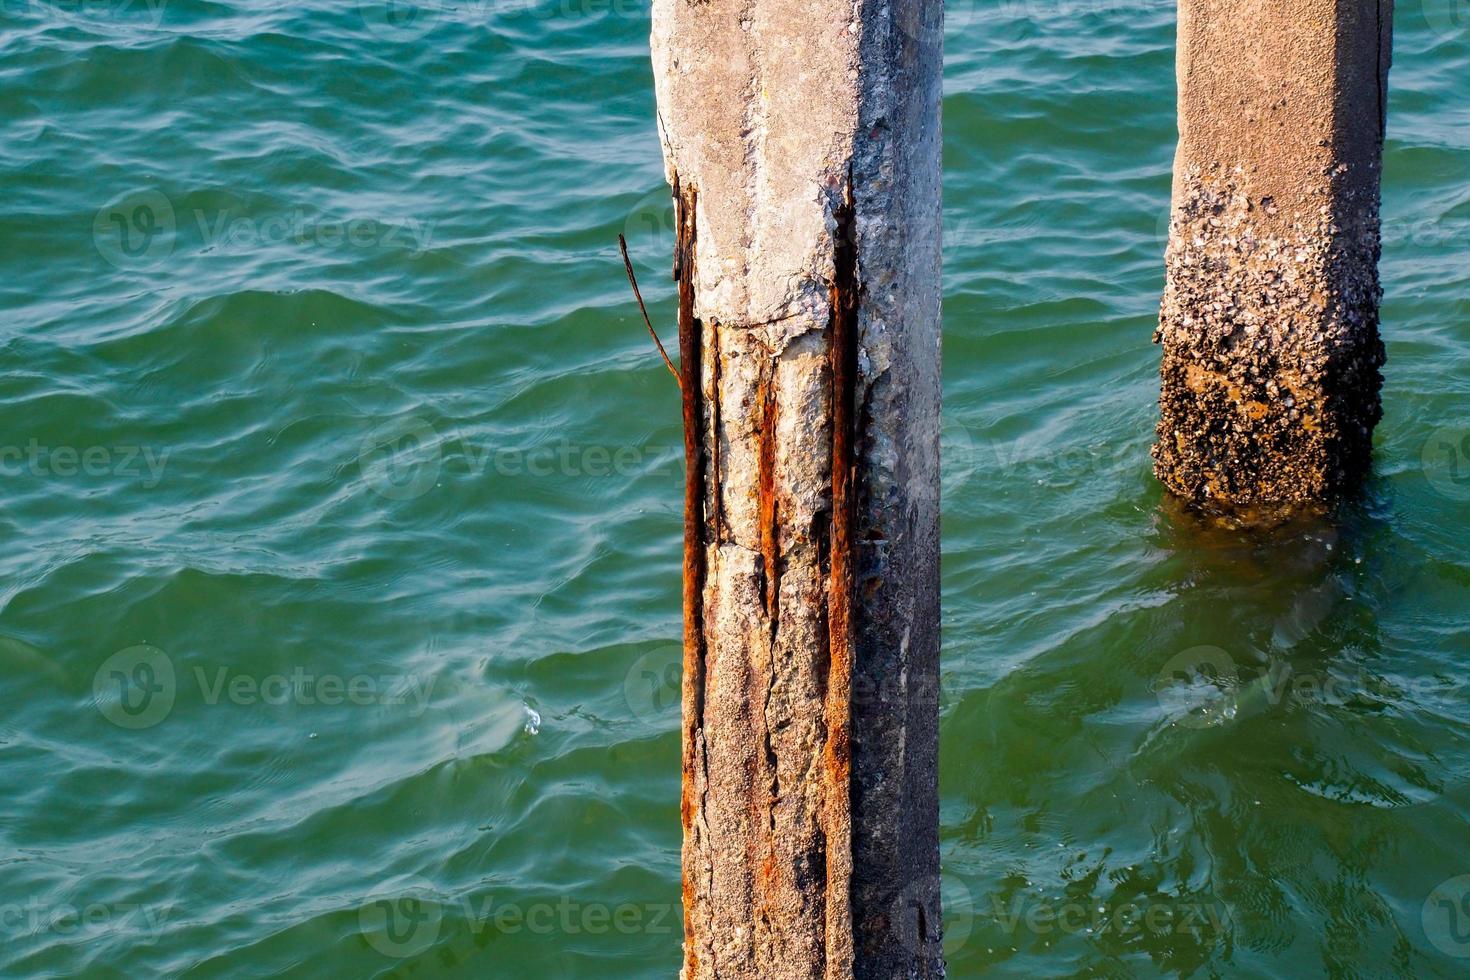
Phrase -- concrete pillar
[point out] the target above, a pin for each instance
(1269, 322)
(802, 139)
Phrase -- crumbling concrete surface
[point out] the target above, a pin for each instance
(1269, 322)
(803, 141)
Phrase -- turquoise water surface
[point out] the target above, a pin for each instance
(342, 515)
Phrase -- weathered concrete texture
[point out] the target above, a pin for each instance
(806, 137)
(1269, 321)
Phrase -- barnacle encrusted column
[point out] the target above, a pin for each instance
(802, 138)
(1269, 321)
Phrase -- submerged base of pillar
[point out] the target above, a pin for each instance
(1271, 354)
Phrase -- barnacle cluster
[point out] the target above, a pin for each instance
(1271, 353)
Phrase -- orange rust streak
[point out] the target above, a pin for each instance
(692, 689)
(769, 513)
(837, 755)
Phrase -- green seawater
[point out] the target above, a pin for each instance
(339, 595)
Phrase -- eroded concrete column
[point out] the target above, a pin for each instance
(1269, 321)
(802, 138)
